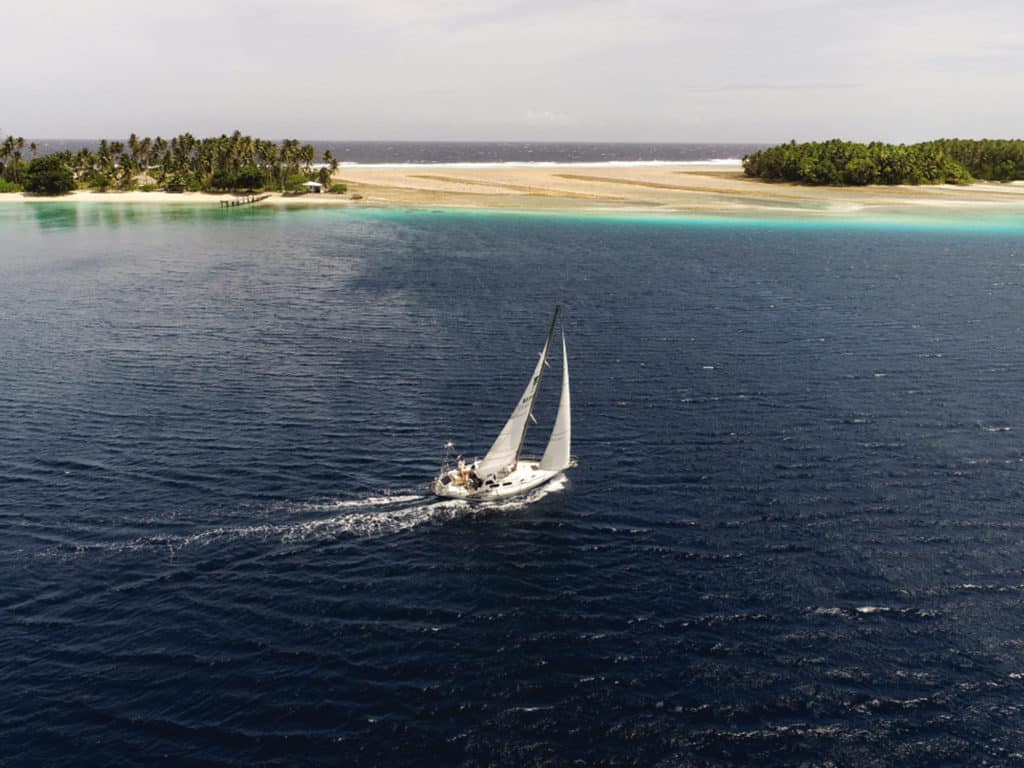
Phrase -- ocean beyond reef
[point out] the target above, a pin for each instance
(489, 152)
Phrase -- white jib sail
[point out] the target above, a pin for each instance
(505, 452)
(557, 455)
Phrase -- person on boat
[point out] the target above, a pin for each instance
(463, 471)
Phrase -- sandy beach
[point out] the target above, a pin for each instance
(668, 189)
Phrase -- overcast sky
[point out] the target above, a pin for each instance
(542, 70)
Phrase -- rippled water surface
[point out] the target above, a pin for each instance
(794, 535)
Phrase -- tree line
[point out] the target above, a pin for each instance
(182, 163)
(837, 163)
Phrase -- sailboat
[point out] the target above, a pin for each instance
(504, 471)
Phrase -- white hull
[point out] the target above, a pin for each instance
(525, 477)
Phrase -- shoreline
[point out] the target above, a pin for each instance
(641, 188)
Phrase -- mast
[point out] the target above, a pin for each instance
(536, 386)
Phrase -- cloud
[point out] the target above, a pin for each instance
(516, 69)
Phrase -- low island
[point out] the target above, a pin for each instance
(849, 163)
(811, 181)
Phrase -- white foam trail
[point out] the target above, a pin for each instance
(375, 523)
(383, 515)
(870, 609)
(372, 501)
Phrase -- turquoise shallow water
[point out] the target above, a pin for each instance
(982, 220)
(793, 536)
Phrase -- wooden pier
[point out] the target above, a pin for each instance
(247, 200)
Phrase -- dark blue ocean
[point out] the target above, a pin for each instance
(794, 536)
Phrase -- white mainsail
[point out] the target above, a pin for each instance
(504, 452)
(557, 456)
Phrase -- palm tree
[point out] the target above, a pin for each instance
(248, 150)
(145, 148)
(330, 161)
(165, 165)
(289, 159)
(6, 152)
(84, 162)
(268, 159)
(307, 154)
(105, 157)
(133, 147)
(154, 151)
(19, 144)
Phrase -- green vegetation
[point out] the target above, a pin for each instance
(49, 175)
(234, 162)
(9, 186)
(294, 182)
(12, 164)
(835, 162)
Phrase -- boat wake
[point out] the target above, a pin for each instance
(331, 519)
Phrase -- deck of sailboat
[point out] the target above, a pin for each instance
(524, 478)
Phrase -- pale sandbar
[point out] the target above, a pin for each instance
(669, 189)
